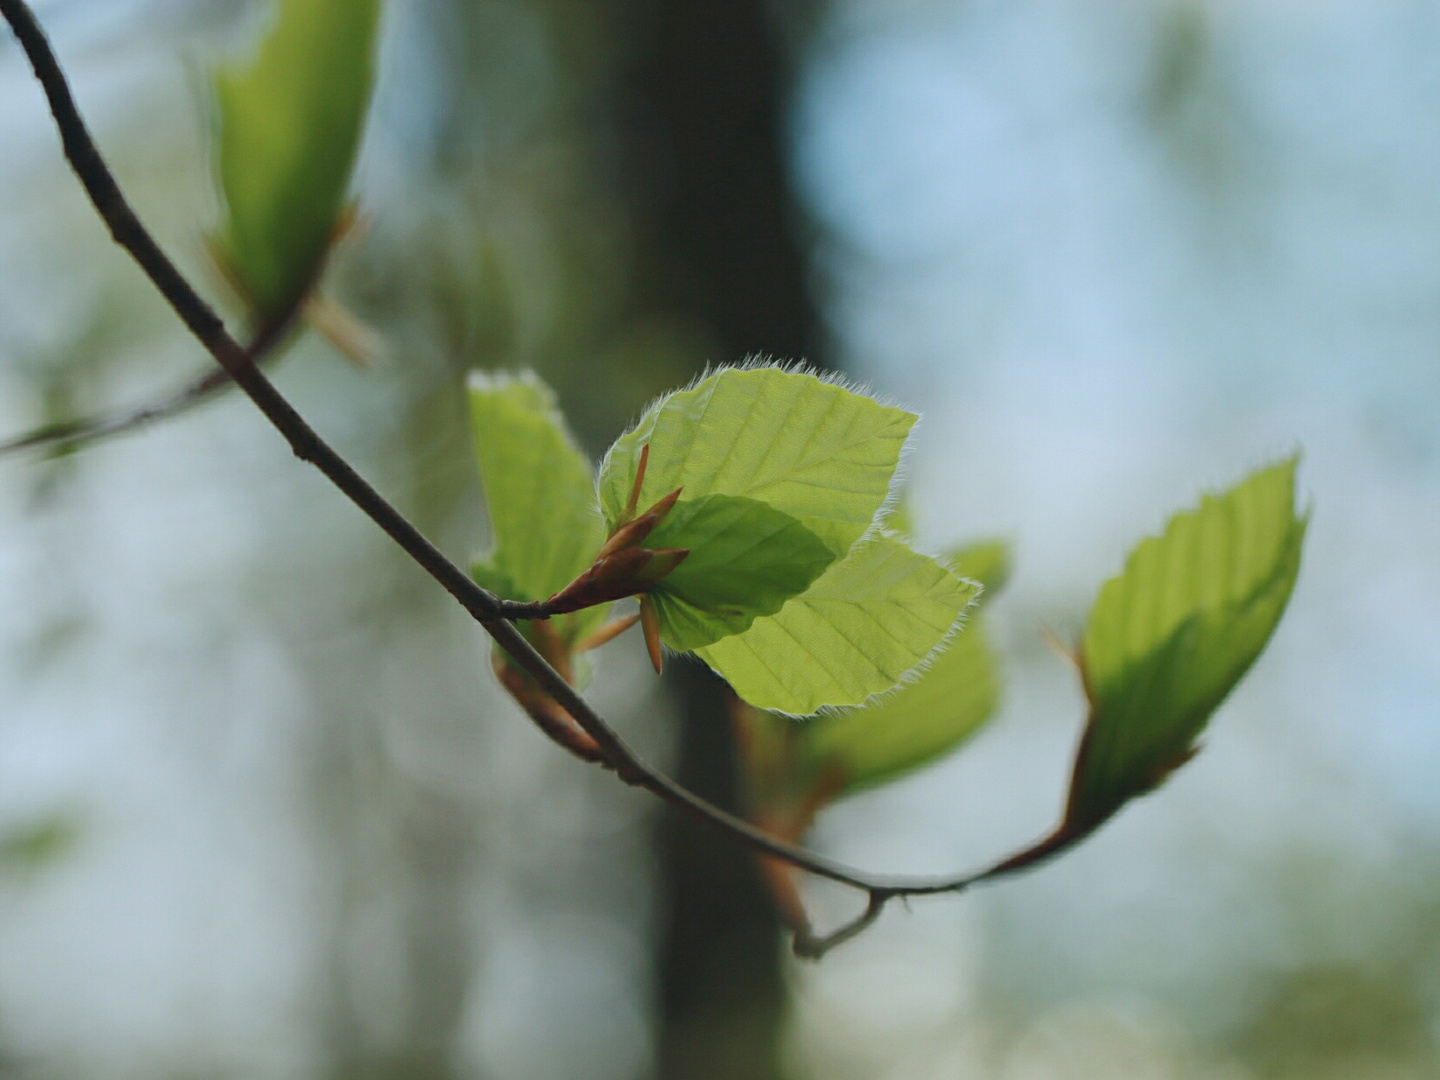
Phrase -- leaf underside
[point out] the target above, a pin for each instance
(867, 622)
(746, 560)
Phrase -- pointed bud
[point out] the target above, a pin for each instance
(610, 578)
(622, 567)
(650, 624)
(549, 717)
(614, 577)
(619, 566)
(632, 533)
(628, 535)
(607, 633)
(634, 500)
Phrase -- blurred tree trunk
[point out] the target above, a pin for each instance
(716, 246)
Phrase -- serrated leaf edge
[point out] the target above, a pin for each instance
(760, 362)
(911, 675)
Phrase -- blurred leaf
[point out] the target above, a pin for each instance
(39, 842)
(864, 624)
(917, 724)
(985, 561)
(746, 559)
(897, 519)
(289, 125)
(539, 491)
(1175, 631)
(488, 576)
(813, 449)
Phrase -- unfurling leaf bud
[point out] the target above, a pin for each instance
(633, 533)
(623, 573)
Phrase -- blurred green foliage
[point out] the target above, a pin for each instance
(288, 126)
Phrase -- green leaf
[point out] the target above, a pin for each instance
(1175, 631)
(539, 491)
(898, 521)
(39, 842)
(985, 561)
(746, 559)
(917, 724)
(813, 449)
(865, 624)
(289, 124)
(489, 576)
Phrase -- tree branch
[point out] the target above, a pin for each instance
(489, 610)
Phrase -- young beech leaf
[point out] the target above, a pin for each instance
(813, 449)
(1172, 634)
(834, 755)
(789, 771)
(539, 491)
(865, 623)
(920, 722)
(923, 720)
(985, 561)
(746, 559)
(289, 124)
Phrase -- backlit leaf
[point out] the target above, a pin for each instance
(539, 492)
(746, 559)
(985, 561)
(289, 123)
(917, 724)
(813, 449)
(867, 622)
(1172, 634)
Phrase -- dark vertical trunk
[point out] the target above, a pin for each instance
(717, 246)
(716, 231)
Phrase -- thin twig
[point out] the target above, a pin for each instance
(71, 433)
(489, 610)
(807, 946)
(66, 434)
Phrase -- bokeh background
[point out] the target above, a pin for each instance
(263, 811)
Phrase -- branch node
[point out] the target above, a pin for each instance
(807, 946)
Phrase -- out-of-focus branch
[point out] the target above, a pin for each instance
(69, 433)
